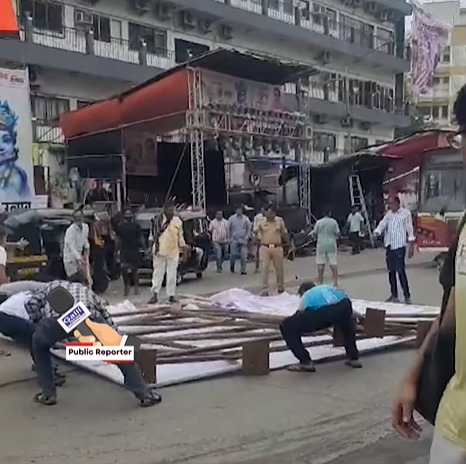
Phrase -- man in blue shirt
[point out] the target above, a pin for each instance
(321, 306)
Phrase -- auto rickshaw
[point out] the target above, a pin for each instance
(45, 229)
(197, 260)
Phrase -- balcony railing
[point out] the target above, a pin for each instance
(47, 132)
(83, 41)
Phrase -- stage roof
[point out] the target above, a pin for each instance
(161, 102)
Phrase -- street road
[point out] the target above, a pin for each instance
(336, 416)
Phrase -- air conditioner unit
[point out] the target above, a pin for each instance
(371, 8)
(140, 6)
(365, 126)
(386, 15)
(205, 25)
(308, 132)
(187, 19)
(82, 18)
(346, 122)
(320, 119)
(162, 11)
(226, 32)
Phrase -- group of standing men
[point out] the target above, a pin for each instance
(269, 235)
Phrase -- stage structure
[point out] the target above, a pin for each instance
(223, 97)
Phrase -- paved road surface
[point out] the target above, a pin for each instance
(336, 416)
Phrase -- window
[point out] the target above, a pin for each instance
(385, 40)
(435, 112)
(436, 81)
(444, 111)
(324, 141)
(115, 29)
(288, 6)
(155, 39)
(446, 55)
(101, 28)
(273, 4)
(357, 143)
(425, 110)
(322, 15)
(185, 50)
(446, 80)
(49, 109)
(45, 15)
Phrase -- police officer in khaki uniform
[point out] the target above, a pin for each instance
(272, 235)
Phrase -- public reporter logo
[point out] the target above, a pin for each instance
(90, 352)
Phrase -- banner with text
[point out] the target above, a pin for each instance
(16, 169)
(220, 89)
(428, 41)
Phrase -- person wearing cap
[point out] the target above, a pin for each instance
(272, 234)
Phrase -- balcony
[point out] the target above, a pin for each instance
(76, 50)
(295, 26)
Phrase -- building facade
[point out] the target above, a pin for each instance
(81, 51)
(437, 104)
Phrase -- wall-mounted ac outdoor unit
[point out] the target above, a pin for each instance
(162, 11)
(82, 18)
(226, 32)
(205, 25)
(187, 19)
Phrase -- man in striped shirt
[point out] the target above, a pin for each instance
(397, 230)
(219, 232)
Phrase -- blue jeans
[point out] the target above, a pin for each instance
(18, 329)
(221, 251)
(396, 265)
(238, 250)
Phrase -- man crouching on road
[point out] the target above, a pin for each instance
(48, 332)
(321, 306)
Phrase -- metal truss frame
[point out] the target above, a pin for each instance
(194, 125)
(201, 121)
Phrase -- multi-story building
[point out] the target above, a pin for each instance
(436, 105)
(84, 50)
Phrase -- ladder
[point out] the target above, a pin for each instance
(357, 199)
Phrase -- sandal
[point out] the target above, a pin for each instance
(45, 400)
(151, 399)
(301, 368)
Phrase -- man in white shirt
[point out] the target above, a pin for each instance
(3, 257)
(218, 229)
(398, 234)
(355, 223)
(76, 247)
(14, 319)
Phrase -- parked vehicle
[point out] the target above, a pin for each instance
(441, 201)
(195, 226)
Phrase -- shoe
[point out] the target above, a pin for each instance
(264, 293)
(244, 273)
(280, 291)
(408, 301)
(171, 299)
(232, 270)
(392, 299)
(354, 364)
(219, 271)
(154, 299)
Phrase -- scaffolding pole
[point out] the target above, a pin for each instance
(196, 138)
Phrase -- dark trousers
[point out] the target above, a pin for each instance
(355, 241)
(47, 333)
(18, 329)
(130, 264)
(396, 265)
(339, 315)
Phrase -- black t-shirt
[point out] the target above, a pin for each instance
(129, 234)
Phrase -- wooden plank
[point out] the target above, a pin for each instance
(256, 358)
